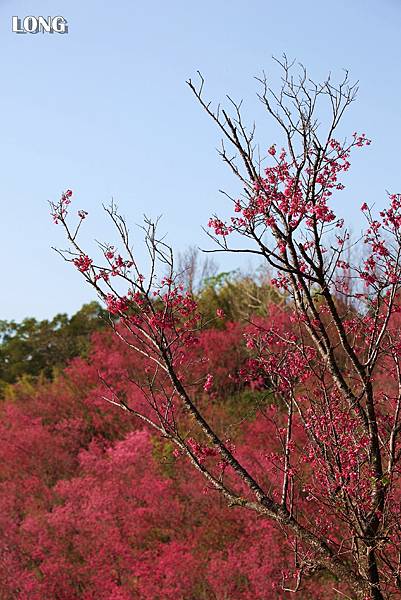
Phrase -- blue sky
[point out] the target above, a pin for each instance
(105, 111)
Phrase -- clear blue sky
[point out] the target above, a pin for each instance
(105, 111)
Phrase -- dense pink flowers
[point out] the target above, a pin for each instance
(109, 498)
(219, 227)
(208, 383)
(280, 201)
(83, 263)
(116, 305)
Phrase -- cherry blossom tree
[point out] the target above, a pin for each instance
(332, 366)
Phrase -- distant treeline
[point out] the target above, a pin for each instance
(34, 348)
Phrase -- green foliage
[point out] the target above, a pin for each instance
(33, 348)
(247, 403)
(239, 296)
(162, 451)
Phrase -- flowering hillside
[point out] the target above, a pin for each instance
(94, 506)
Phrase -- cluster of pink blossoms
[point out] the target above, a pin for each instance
(83, 263)
(350, 450)
(381, 267)
(59, 209)
(118, 266)
(116, 305)
(220, 228)
(208, 383)
(279, 195)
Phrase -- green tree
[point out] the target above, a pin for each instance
(32, 348)
(239, 296)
